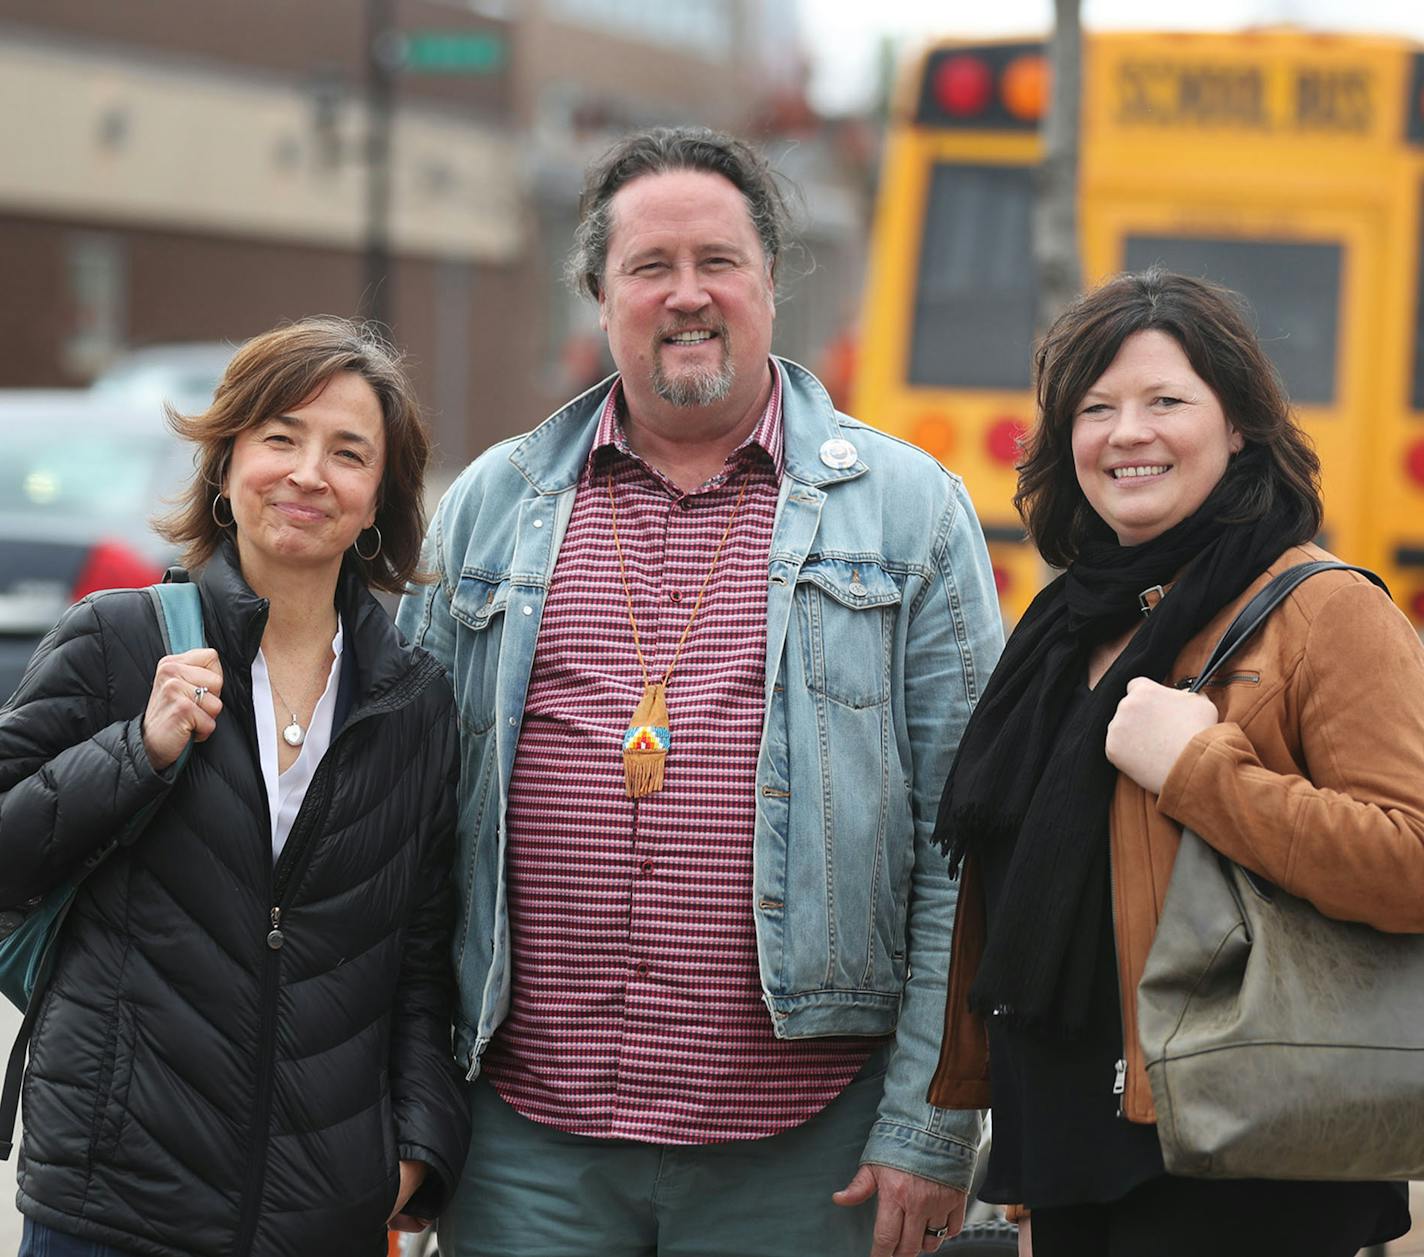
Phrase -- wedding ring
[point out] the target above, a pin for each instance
(937, 1232)
(198, 692)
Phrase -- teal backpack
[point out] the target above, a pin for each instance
(30, 934)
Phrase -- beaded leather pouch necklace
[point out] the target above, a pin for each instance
(649, 737)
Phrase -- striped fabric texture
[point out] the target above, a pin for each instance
(636, 1009)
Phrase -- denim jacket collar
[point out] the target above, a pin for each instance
(552, 457)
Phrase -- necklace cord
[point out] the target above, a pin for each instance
(701, 593)
(280, 699)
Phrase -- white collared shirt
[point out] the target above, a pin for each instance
(285, 791)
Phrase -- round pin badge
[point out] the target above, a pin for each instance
(838, 453)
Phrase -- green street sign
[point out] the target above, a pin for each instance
(453, 52)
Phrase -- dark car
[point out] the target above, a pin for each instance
(79, 481)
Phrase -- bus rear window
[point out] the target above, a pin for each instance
(1416, 393)
(1294, 289)
(976, 293)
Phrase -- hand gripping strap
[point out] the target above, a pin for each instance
(1239, 632)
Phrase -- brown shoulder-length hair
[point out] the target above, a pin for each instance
(1277, 465)
(276, 372)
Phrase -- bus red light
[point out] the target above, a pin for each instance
(1416, 607)
(1002, 579)
(963, 86)
(1414, 462)
(1003, 438)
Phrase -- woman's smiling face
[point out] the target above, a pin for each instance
(1150, 439)
(304, 484)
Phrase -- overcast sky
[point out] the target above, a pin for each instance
(845, 35)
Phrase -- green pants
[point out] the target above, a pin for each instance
(529, 1190)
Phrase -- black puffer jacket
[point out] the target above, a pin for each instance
(194, 1089)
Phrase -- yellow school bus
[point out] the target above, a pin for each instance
(1284, 164)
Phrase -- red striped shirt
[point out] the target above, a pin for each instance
(636, 1010)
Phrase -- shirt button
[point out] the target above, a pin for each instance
(641, 968)
(675, 595)
(646, 866)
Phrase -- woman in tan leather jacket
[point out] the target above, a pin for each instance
(1169, 478)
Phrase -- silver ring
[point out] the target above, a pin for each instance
(937, 1232)
(198, 692)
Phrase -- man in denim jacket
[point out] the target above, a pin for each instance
(713, 644)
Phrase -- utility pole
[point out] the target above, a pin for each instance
(381, 52)
(1055, 224)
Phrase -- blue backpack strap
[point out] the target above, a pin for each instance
(180, 615)
(180, 620)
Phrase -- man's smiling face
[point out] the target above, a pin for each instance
(687, 300)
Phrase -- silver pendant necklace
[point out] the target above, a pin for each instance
(293, 734)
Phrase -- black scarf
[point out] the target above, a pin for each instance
(1024, 778)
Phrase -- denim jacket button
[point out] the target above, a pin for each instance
(838, 453)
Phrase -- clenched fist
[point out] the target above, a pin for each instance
(183, 704)
(1152, 727)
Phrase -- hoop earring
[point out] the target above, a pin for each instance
(230, 520)
(368, 557)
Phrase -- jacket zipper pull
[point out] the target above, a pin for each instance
(275, 938)
(1119, 1082)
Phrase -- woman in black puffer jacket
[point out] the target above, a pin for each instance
(244, 1048)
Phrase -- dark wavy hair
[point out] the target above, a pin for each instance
(1277, 465)
(276, 372)
(663, 150)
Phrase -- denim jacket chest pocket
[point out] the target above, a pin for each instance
(846, 610)
(478, 603)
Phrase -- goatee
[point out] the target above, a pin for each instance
(696, 386)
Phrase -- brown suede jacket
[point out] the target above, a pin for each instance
(1314, 779)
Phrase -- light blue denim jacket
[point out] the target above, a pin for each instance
(882, 626)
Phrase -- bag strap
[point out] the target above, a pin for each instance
(1239, 632)
(180, 623)
(1254, 613)
(180, 613)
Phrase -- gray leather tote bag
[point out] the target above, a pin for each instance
(1280, 1043)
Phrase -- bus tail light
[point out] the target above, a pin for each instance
(1414, 462)
(1003, 580)
(963, 85)
(935, 435)
(1416, 606)
(989, 87)
(1024, 88)
(1004, 440)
